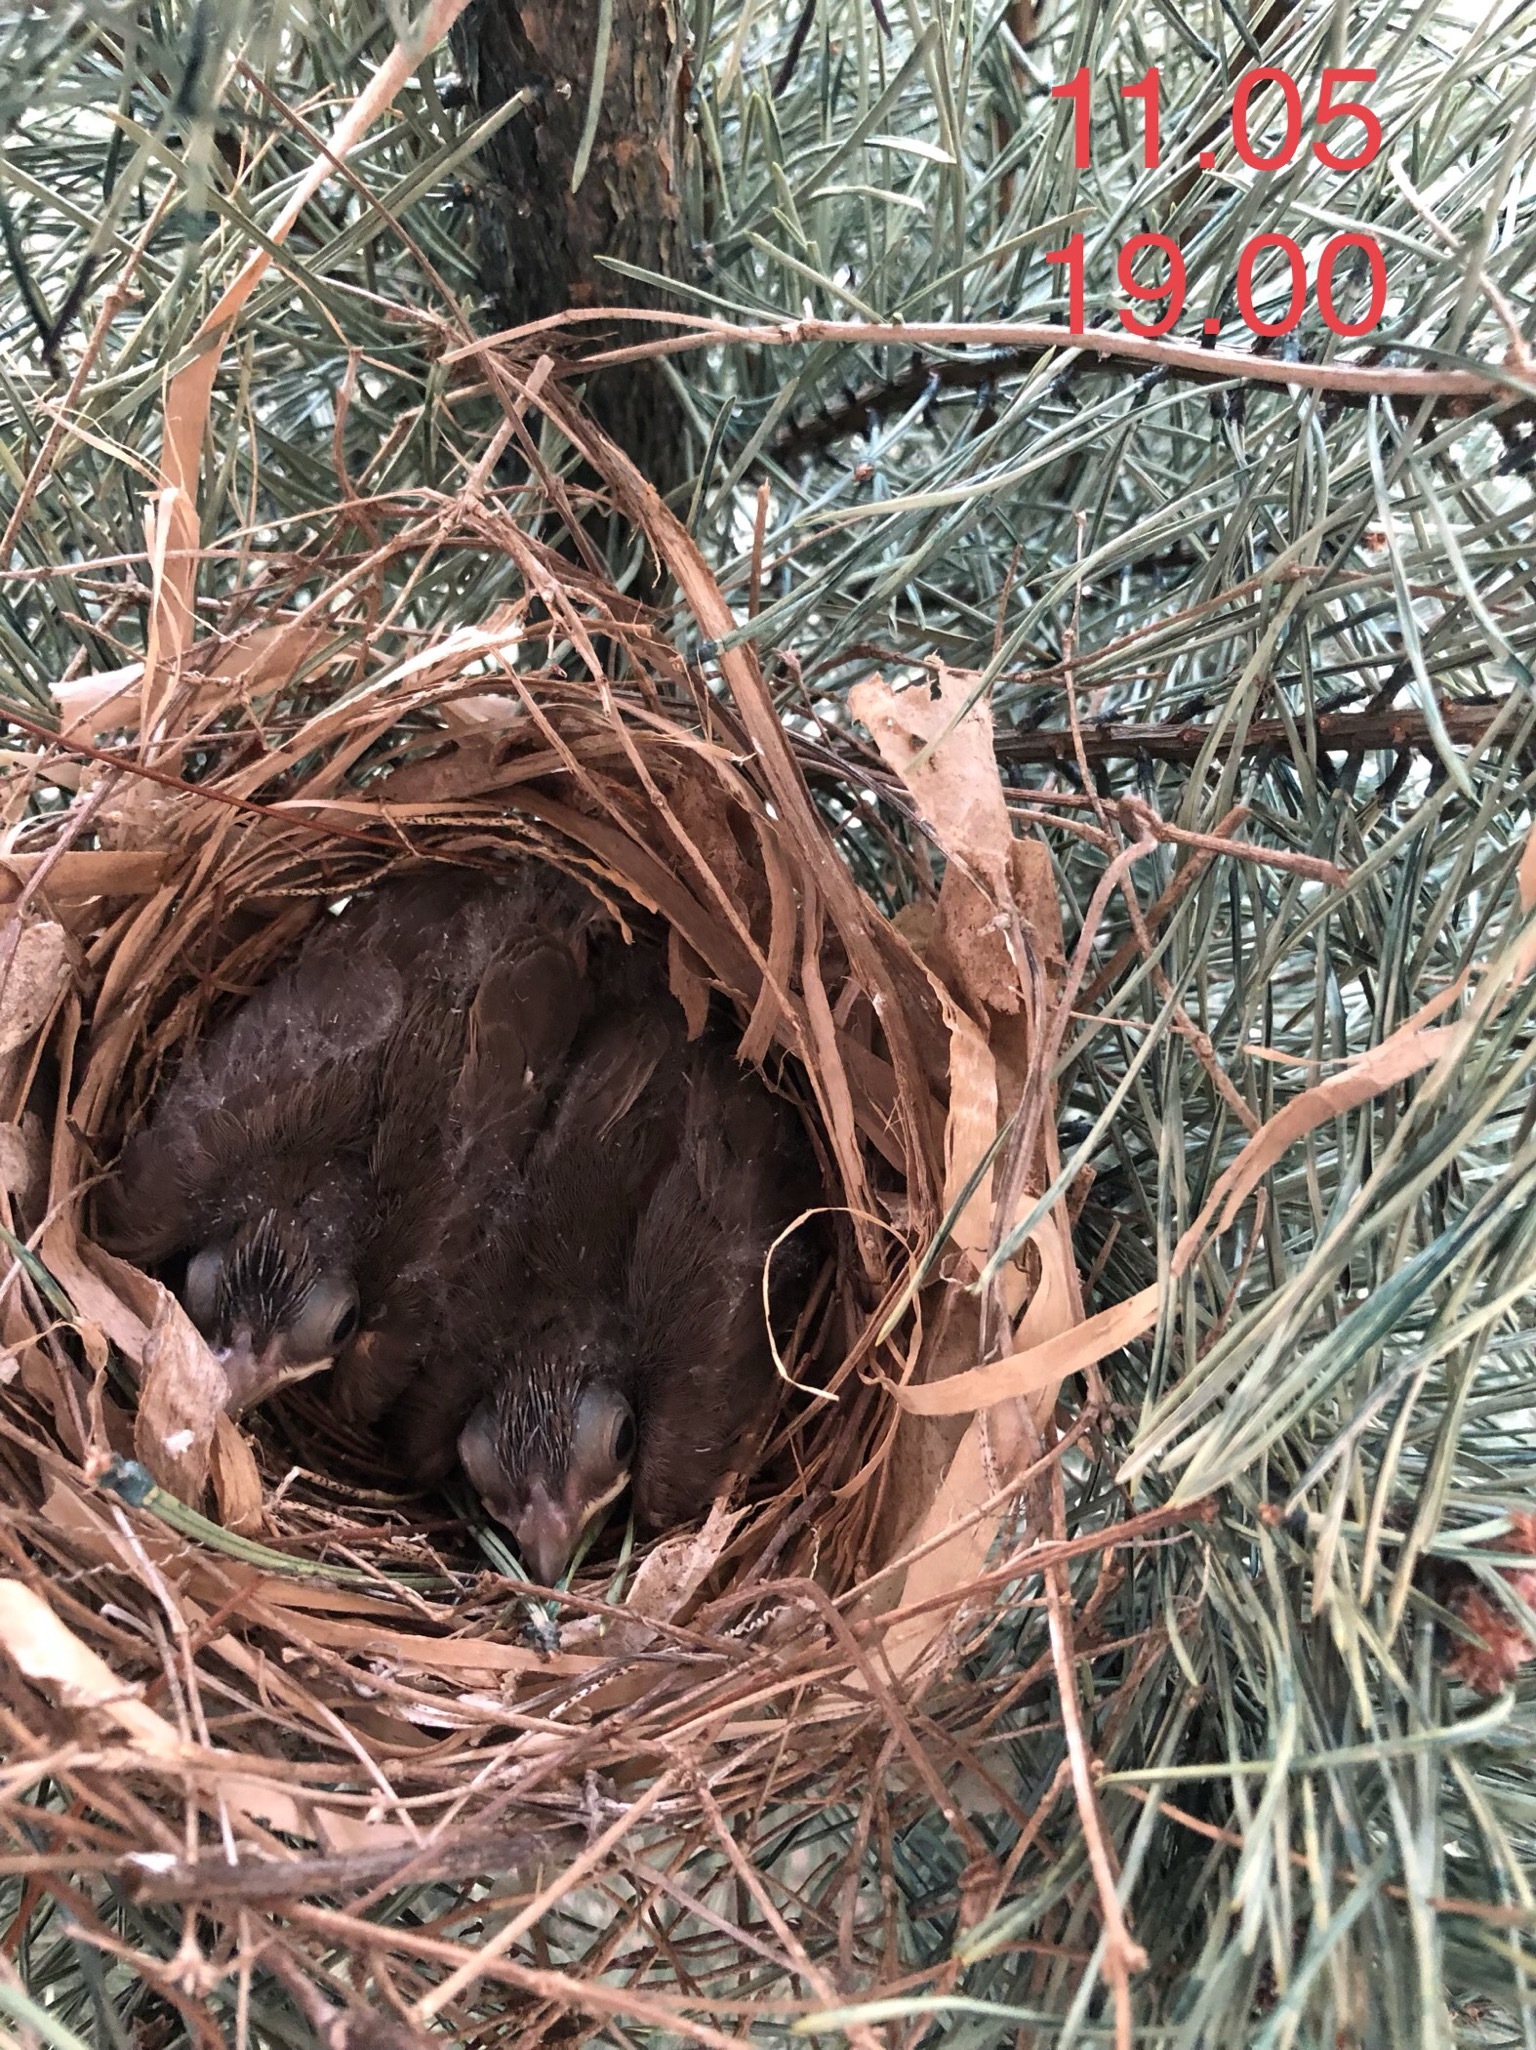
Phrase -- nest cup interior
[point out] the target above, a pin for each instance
(330, 1471)
(773, 863)
(232, 901)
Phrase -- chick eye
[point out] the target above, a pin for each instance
(480, 1453)
(200, 1290)
(326, 1319)
(603, 1433)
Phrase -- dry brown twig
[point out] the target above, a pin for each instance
(1499, 382)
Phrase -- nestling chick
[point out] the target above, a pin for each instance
(621, 1325)
(298, 1154)
(528, 1010)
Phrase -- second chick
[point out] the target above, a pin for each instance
(616, 1318)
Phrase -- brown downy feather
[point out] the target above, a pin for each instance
(440, 1191)
(499, 1196)
(695, 1282)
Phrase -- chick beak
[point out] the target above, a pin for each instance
(253, 1376)
(546, 1534)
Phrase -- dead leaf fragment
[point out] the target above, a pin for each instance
(665, 1583)
(236, 1479)
(77, 881)
(54, 1657)
(32, 982)
(1036, 1366)
(93, 1343)
(23, 1157)
(183, 1395)
(938, 738)
(687, 982)
(96, 703)
(670, 1576)
(1401, 1054)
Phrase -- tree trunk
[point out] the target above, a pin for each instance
(540, 242)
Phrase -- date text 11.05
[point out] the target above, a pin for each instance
(1330, 108)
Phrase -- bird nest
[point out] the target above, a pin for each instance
(278, 1691)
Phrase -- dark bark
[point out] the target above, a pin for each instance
(540, 243)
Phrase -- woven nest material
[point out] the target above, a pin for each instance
(288, 1692)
